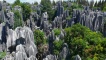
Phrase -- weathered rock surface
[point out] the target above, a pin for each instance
(64, 53)
(77, 57)
(60, 9)
(91, 19)
(50, 57)
(21, 41)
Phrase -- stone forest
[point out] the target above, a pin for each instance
(53, 30)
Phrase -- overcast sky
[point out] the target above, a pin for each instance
(31, 1)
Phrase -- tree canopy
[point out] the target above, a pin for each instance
(17, 2)
(47, 7)
(81, 40)
(57, 46)
(57, 31)
(17, 19)
(26, 10)
(39, 37)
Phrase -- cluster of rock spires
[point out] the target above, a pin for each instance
(19, 43)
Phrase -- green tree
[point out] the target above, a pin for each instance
(57, 31)
(39, 37)
(65, 5)
(40, 41)
(95, 4)
(57, 46)
(17, 19)
(91, 4)
(26, 10)
(53, 3)
(47, 7)
(104, 9)
(17, 2)
(81, 40)
(35, 3)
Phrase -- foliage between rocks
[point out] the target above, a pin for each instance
(2, 55)
(88, 44)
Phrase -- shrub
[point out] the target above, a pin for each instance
(57, 46)
(81, 40)
(39, 37)
(17, 19)
(57, 31)
(2, 55)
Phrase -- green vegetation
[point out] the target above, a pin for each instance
(80, 39)
(57, 46)
(39, 37)
(104, 9)
(35, 3)
(57, 31)
(47, 7)
(2, 55)
(17, 2)
(40, 41)
(17, 19)
(65, 5)
(26, 11)
(76, 6)
(68, 18)
(88, 44)
(101, 4)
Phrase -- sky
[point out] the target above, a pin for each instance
(31, 1)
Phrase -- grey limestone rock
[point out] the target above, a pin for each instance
(45, 16)
(20, 48)
(11, 39)
(22, 39)
(65, 14)
(4, 35)
(20, 56)
(65, 52)
(89, 18)
(61, 36)
(1, 25)
(17, 8)
(32, 58)
(57, 23)
(10, 18)
(8, 57)
(50, 57)
(77, 57)
(60, 8)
